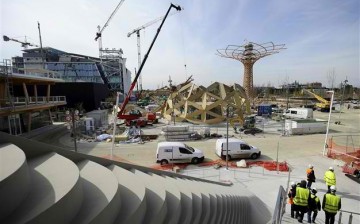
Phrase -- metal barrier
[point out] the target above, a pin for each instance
(350, 217)
(279, 206)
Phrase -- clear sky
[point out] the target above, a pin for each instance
(321, 36)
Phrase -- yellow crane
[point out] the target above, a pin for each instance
(323, 104)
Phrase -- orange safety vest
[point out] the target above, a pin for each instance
(291, 201)
(308, 171)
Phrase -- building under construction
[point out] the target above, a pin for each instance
(30, 110)
(110, 69)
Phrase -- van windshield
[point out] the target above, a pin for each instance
(191, 149)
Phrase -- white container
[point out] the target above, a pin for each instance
(89, 124)
(305, 126)
(302, 113)
(100, 117)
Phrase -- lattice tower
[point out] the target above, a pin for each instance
(248, 54)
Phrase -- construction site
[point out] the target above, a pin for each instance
(83, 141)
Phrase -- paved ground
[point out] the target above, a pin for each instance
(298, 151)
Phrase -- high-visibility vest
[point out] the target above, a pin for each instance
(331, 203)
(308, 171)
(301, 197)
(316, 200)
(330, 178)
(291, 201)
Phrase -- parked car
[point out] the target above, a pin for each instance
(236, 149)
(177, 152)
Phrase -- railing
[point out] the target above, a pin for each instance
(230, 172)
(279, 206)
(350, 216)
(265, 124)
(40, 100)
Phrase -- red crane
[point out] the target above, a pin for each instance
(121, 114)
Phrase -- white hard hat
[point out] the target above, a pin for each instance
(311, 166)
(331, 168)
(292, 183)
(333, 188)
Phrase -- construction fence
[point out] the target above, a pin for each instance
(345, 148)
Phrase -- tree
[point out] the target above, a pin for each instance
(331, 76)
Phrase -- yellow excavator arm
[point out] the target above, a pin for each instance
(323, 103)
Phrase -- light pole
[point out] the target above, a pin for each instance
(227, 137)
(115, 122)
(328, 123)
(73, 116)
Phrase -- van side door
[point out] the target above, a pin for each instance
(245, 150)
(185, 155)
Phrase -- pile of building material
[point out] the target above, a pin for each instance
(177, 133)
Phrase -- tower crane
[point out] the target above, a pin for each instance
(137, 31)
(24, 44)
(100, 31)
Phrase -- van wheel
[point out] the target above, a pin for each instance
(254, 156)
(195, 160)
(164, 162)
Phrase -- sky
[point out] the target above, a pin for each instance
(321, 37)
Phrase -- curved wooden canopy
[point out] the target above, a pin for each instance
(200, 105)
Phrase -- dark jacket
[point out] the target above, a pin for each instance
(314, 204)
(311, 175)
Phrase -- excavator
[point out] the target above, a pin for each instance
(133, 116)
(323, 105)
(247, 122)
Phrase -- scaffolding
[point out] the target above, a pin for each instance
(113, 68)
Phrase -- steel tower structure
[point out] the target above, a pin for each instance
(248, 54)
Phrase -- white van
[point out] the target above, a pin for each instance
(237, 149)
(177, 152)
(302, 113)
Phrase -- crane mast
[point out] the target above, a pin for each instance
(137, 31)
(121, 114)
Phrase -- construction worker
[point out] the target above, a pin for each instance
(291, 199)
(331, 204)
(330, 178)
(301, 200)
(310, 173)
(314, 206)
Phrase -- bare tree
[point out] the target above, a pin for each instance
(286, 83)
(331, 76)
